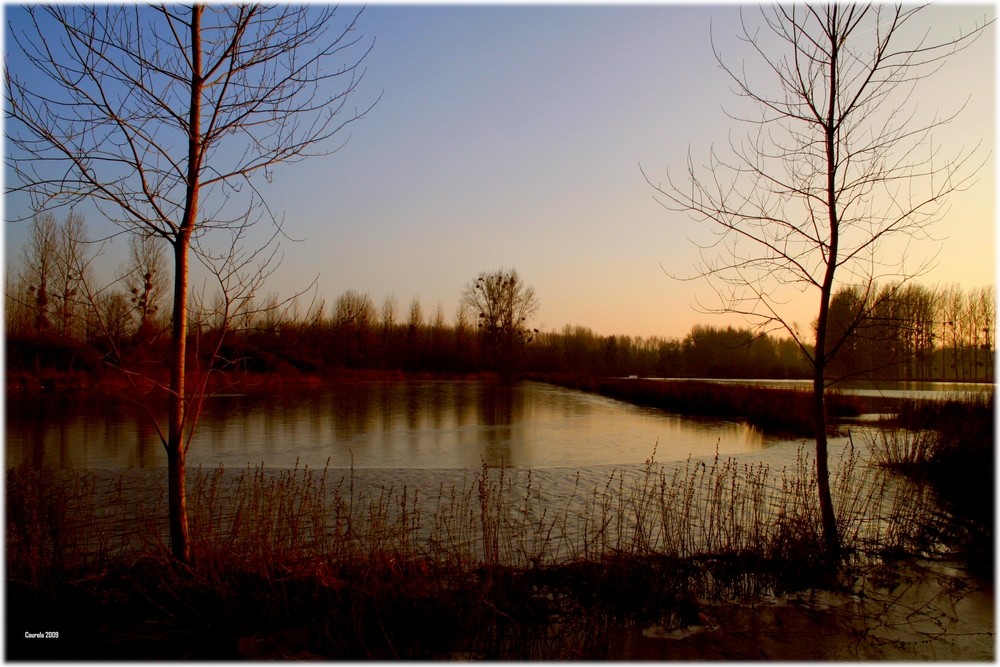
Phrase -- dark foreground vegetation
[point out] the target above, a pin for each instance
(950, 444)
(313, 564)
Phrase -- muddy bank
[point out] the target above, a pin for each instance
(907, 611)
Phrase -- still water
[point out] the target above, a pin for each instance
(917, 390)
(376, 425)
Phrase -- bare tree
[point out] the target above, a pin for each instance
(147, 281)
(461, 319)
(53, 265)
(74, 254)
(502, 304)
(437, 318)
(354, 308)
(111, 313)
(951, 304)
(388, 335)
(18, 312)
(163, 117)
(979, 313)
(414, 339)
(354, 319)
(415, 319)
(388, 314)
(462, 336)
(986, 298)
(38, 258)
(835, 167)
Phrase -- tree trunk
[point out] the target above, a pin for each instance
(180, 542)
(830, 537)
(176, 446)
(180, 545)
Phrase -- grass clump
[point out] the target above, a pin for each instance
(950, 444)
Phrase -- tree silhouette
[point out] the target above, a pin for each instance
(164, 117)
(501, 304)
(147, 282)
(39, 261)
(836, 166)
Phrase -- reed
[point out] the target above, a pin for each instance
(775, 410)
(491, 566)
(901, 447)
(950, 444)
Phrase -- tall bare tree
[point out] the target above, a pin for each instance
(147, 281)
(38, 259)
(18, 316)
(502, 304)
(354, 317)
(387, 315)
(835, 168)
(164, 117)
(74, 254)
(987, 323)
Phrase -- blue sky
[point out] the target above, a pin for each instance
(512, 136)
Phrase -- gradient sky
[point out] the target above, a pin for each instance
(512, 136)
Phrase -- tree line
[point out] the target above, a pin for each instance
(58, 320)
(915, 332)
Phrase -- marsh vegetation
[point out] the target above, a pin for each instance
(502, 563)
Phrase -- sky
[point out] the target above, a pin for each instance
(517, 136)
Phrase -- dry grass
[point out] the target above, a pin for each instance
(950, 444)
(488, 567)
(773, 410)
(901, 447)
(937, 432)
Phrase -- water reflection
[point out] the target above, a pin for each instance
(66, 432)
(389, 425)
(496, 407)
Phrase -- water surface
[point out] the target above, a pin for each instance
(912, 389)
(390, 425)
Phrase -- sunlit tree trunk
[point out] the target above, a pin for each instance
(176, 441)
